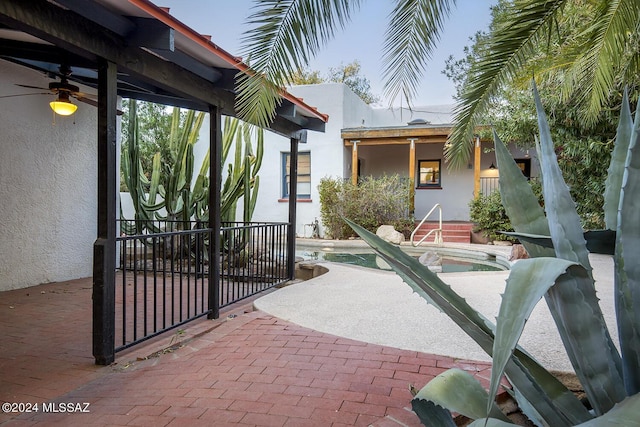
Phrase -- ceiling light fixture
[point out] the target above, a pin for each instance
(63, 105)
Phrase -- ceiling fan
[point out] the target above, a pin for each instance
(62, 105)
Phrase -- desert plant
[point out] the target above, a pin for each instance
(142, 190)
(242, 178)
(181, 198)
(178, 195)
(560, 271)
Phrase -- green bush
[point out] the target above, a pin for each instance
(372, 203)
(489, 217)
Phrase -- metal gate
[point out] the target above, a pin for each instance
(162, 279)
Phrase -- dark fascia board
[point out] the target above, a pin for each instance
(93, 11)
(289, 110)
(211, 74)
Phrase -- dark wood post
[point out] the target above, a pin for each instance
(215, 185)
(296, 138)
(104, 248)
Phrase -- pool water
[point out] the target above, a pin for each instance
(370, 260)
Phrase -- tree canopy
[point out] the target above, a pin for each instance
(584, 146)
(593, 56)
(349, 74)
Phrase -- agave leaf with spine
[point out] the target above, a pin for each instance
(574, 289)
(431, 414)
(598, 241)
(459, 391)
(615, 173)
(594, 356)
(627, 274)
(541, 389)
(571, 299)
(528, 281)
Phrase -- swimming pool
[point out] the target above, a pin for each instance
(368, 258)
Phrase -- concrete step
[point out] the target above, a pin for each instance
(452, 232)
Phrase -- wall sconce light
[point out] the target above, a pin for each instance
(62, 105)
(492, 167)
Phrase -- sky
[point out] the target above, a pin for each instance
(361, 40)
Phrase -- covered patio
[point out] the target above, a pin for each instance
(110, 49)
(245, 368)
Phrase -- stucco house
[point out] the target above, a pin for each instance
(361, 140)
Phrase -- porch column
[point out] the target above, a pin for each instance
(215, 181)
(104, 248)
(354, 163)
(412, 175)
(476, 168)
(298, 137)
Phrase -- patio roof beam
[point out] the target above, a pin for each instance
(152, 34)
(397, 141)
(290, 111)
(96, 12)
(404, 132)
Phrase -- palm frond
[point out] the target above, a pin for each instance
(508, 48)
(604, 55)
(413, 30)
(286, 34)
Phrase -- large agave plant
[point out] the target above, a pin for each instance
(559, 271)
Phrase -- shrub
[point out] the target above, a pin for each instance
(489, 217)
(372, 203)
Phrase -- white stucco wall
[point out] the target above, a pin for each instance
(327, 154)
(47, 185)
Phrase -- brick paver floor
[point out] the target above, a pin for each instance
(247, 369)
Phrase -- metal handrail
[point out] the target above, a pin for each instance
(438, 231)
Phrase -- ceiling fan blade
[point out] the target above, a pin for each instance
(92, 102)
(86, 100)
(83, 95)
(32, 87)
(25, 94)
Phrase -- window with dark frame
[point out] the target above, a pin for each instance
(525, 166)
(304, 175)
(429, 175)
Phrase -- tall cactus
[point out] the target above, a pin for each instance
(182, 199)
(242, 175)
(178, 194)
(142, 190)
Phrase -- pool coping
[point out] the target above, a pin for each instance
(494, 253)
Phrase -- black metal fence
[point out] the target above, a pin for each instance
(254, 258)
(162, 278)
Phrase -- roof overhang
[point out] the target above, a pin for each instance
(159, 59)
(396, 135)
